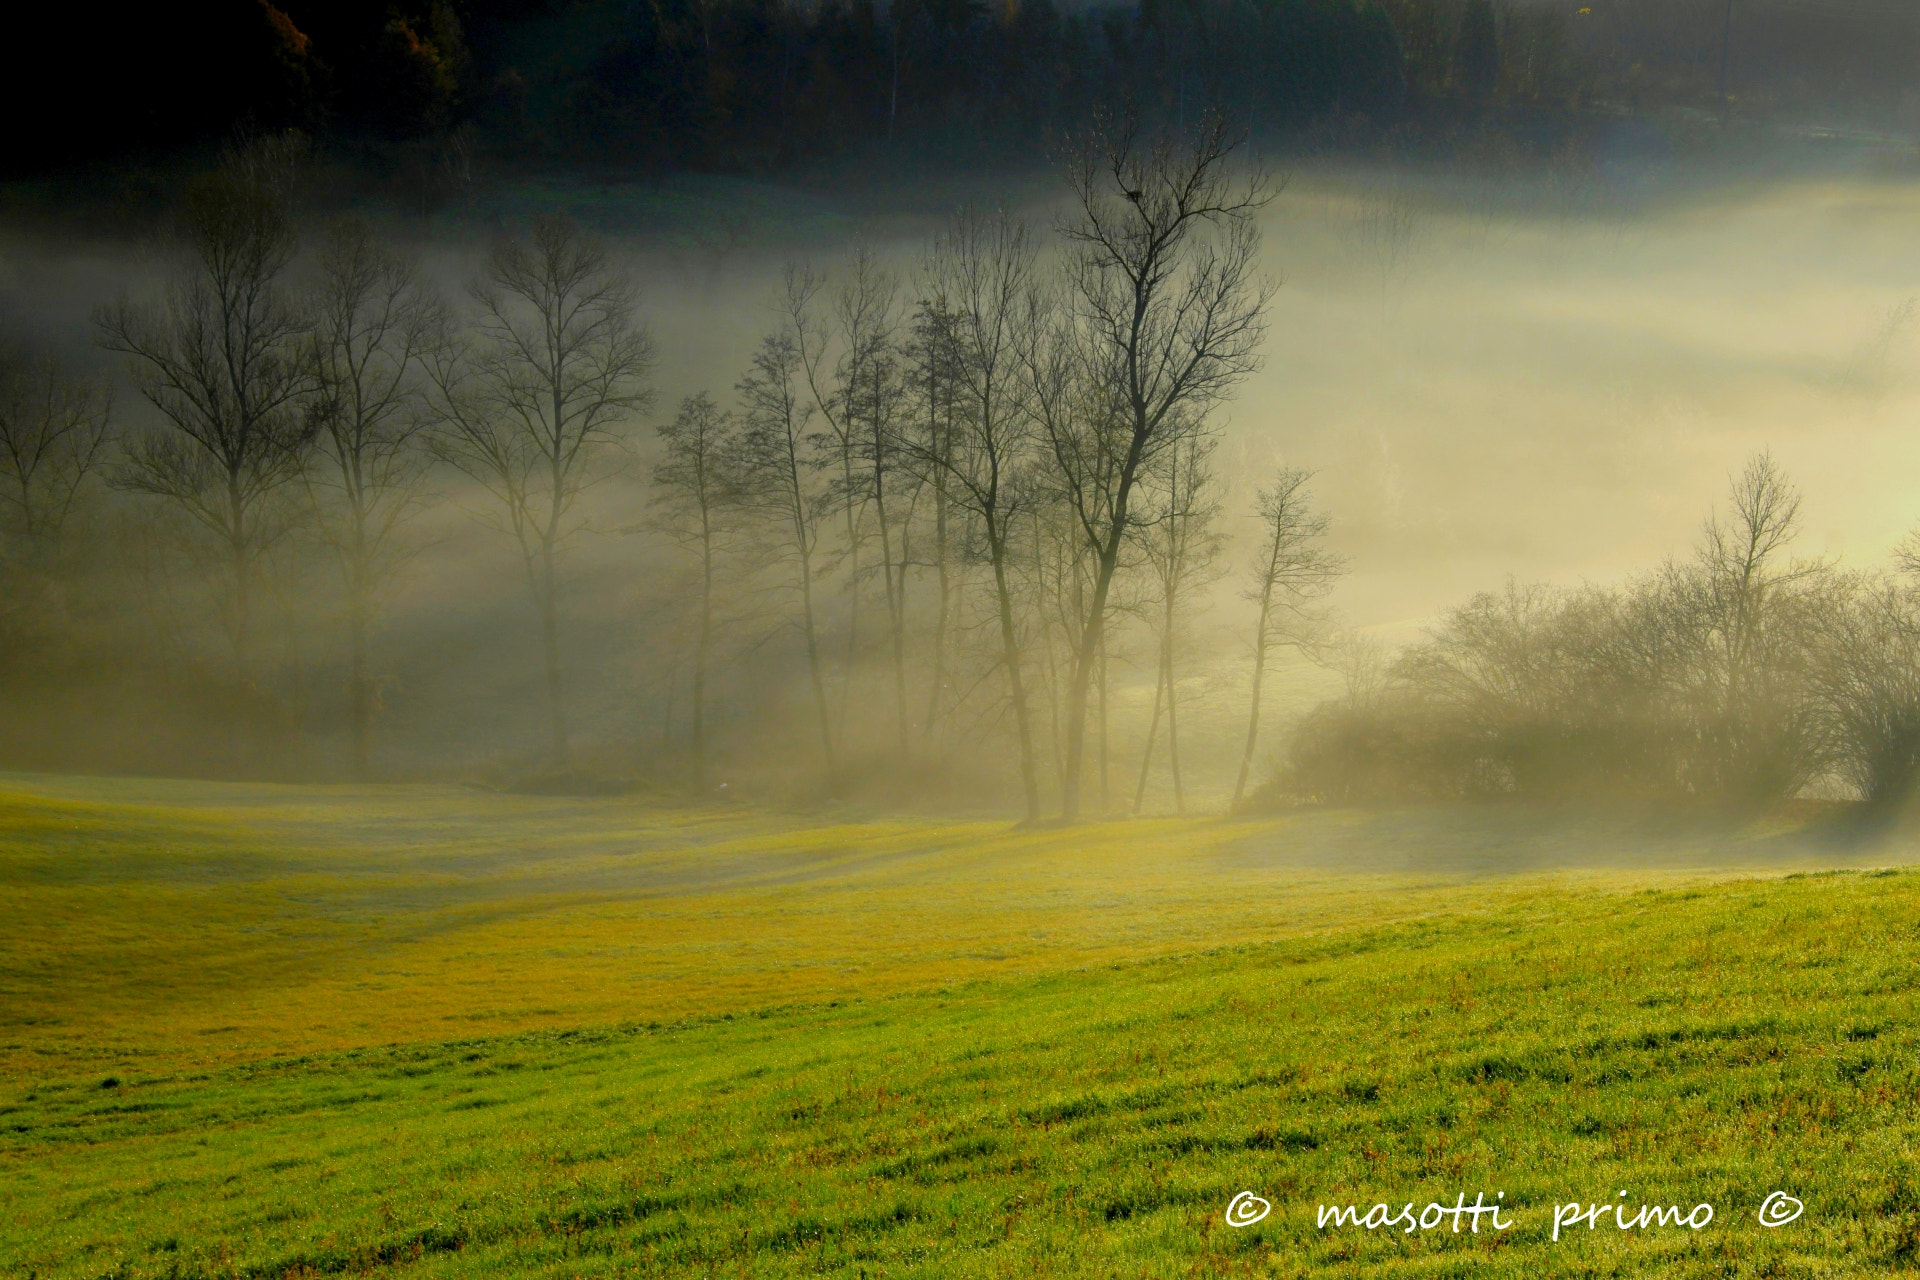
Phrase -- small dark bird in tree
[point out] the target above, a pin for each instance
(1134, 196)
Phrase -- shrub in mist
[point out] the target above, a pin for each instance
(1868, 676)
(1736, 677)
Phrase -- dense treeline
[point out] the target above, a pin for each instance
(903, 539)
(1739, 676)
(754, 83)
(146, 79)
(416, 86)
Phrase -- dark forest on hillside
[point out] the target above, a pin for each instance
(753, 84)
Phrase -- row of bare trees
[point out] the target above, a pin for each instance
(1040, 422)
(319, 405)
(945, 480)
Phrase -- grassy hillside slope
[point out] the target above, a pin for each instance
(1217, 1012)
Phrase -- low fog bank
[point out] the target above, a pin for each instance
(1439, 842)
(1540, 379)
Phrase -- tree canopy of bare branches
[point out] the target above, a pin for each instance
(220, 356)
(53, 436)
(535, 408)
(1167, 314)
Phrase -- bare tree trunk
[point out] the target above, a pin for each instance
(1106, 797)
(550, 646)
(1053, 703)
(1173, 712)
(1083, 665)
(940, 616)
(853, 586)
(359, 697)
(696, 479)
(374, 325)
(1153, 732)
(813, 665)
(673, 699)
(701, 646)
(1253, 712)
(896, 604)
(560, 368)
(239, 629)
(1053, 666)
(222, 361)
(1016, 684)
(1291, 571)
(550, 595)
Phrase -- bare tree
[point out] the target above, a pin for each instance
(1051, 559)
(812, 337)
(538, 406)
(374, 325)
(1739, 557)
(1361, 661)
(928, 449)
(1181, 548)
(981, 277)
(697, 492)
(779, 481)
(1168, 315)
(872, 392)
(220, 356)
(860, 403)
(1293, 571)
(53, 435)
(1748, 612)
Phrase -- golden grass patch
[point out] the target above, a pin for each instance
(156, 924)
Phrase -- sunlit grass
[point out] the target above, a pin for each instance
(297, 921)
(267, 1032)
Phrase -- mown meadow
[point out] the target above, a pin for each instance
(255, 1031)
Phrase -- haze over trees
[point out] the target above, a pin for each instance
(698, 479)
(947, 529)
(536, 402)
(978, 449)
(375, 327)
(1181, 545)
(1164, 318)
(1291, 572)
(1739, 676)
(218, 355)
(923, 486)
(54, 434)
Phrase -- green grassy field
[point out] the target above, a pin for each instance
(254, 1031)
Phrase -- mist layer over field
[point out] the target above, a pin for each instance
(1548, 378)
